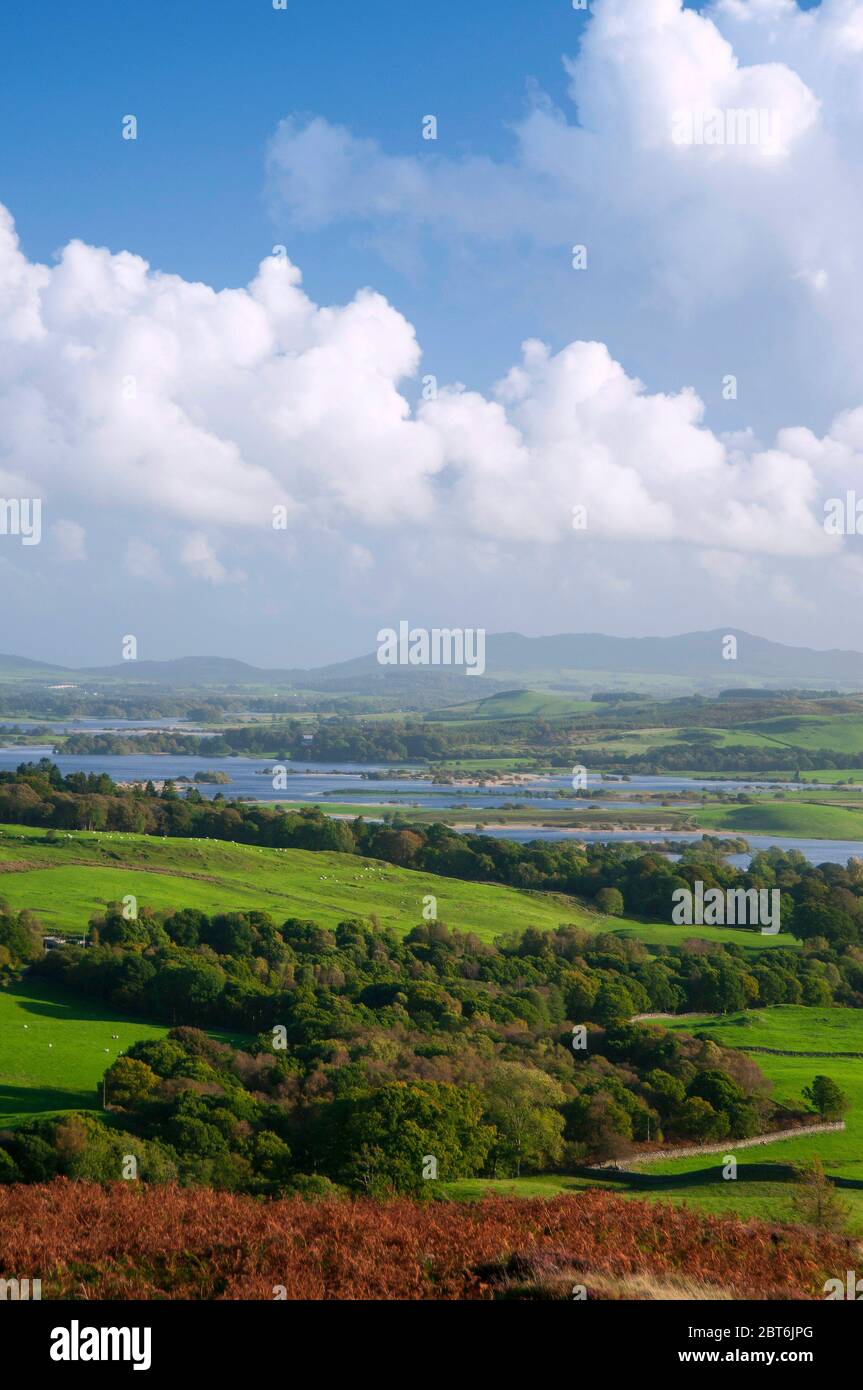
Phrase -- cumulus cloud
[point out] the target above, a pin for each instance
(686, 225)
(137, 394)
(138, 390)
(572, 429)
(142, 561)
(128, 387)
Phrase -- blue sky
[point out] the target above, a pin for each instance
(209, 80)
(302, 128)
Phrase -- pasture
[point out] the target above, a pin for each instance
(760, 1190)
(69, 879)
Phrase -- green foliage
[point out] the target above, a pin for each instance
(129, 1081)
(816, 1201)
(610, 901)
(523, 1105)
(827, 1098)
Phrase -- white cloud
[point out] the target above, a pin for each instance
(130, 388)
(138, 394)
(679, 228)
(69, 540)
(141, 391)
(572, 429)
(142, 561)
(200, 559)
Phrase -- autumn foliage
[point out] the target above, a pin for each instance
(131, 1241)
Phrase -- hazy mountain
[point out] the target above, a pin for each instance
(695, 656)
(184, 671)
(698, 654)
(22, 666)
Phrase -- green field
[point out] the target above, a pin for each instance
(813, 820)
(521, 704)
(752, 1201)
(54, 1048)
(842, 733)
(788, 1028)
(67, 881)
(759, 1194)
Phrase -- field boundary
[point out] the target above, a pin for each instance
(695, 1150)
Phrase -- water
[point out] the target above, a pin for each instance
(308, 784)
(348, 784)
(86, 725)
(246, 774)
(816, 851)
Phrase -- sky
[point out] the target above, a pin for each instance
(281, 372)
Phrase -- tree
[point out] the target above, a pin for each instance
(272, 1157)
(521, 1104)
(614, 1002)
(827, 1098)
(816, 1201)
(697, 1119)
(610, 901)
(21, 935)
(380, 1142)
(128, 1081)
(597, 1121)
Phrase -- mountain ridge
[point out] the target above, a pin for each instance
(697, 655)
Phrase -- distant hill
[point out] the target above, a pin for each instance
(185, 670)
(566, 660)
(15, 664)
(696, 654)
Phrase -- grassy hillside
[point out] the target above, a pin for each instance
(793, 1029)
(521, 704)
(813, 820)
(54, 1048)
(761, 1193)
(841, 732)
(66, 882)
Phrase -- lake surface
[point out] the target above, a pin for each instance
(816, 851)
(350, 784)
(86, 725)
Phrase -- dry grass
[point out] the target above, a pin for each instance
(130, 1241)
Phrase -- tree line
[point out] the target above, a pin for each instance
(376, 1062)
